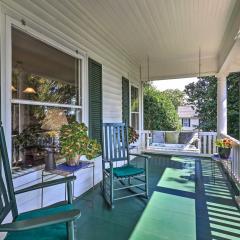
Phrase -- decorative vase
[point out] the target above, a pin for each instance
(50, 163)
(224, 153)
(73, 161)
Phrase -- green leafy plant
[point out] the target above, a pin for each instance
(159, 111)
(28, 137)
(93, 149)
(75, 141)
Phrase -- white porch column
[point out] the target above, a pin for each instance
(221, 105)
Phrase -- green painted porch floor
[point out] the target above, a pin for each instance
(185, 203)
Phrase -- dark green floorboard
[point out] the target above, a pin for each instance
(215, 215)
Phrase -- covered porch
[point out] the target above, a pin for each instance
(127, 43)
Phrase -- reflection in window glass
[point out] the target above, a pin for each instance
(48, 80)
(34, 129)
(41, 72)
(134, 108)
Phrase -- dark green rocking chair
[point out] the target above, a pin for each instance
(51, 223)
(121, 179)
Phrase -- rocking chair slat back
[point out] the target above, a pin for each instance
(7, 197)
(115, 147)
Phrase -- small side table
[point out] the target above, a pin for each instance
(64, 170)
(216, 158)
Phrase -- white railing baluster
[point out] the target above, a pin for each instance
(205, 144)
(209, 144)
(214, 144)
(235, 157)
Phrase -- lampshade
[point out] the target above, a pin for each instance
(54, 119)
(14, 89)
(29, 90)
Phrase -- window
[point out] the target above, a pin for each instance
(186, 122)
(134, 108)
(46, 93)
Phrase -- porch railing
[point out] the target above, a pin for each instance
(206, 143)
(234, 170)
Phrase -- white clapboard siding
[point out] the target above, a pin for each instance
(112, 96)
(74, 25)
(66, 23)
(69, 22)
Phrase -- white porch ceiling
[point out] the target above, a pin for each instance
(170, 32)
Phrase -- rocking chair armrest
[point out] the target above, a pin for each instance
(46, 184)
(41, 221)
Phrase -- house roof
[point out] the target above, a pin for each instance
(187, 111)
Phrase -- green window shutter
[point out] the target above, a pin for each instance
(95, 99)
(125, 100)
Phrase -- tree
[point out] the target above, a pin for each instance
(203, 95)
(233, 105)
(176, 96)
(159, 111)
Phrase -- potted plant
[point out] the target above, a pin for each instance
(224, 147)
(74, 143)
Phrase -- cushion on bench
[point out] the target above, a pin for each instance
(158, 137)
(172, 137)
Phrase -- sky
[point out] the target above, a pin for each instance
(173, 83)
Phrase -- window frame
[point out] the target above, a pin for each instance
(130, 107)
(188, 122)
(48, 38)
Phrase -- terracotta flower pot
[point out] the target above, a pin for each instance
(224, 153)
(73, 161)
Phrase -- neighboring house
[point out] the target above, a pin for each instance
(188, 117)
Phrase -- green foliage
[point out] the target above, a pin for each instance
(93, 149)
(203, 95)
(233, 105)
(176, 96)
(159, 111)
(28, 137)
(75, 141)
